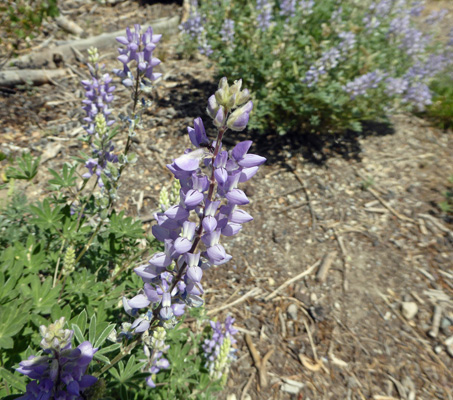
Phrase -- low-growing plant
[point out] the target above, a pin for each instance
(441, 111)
(106, 331)
(21, 19)
(322, 65)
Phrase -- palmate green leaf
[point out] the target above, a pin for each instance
(102, 358)
(81, 321)
(27, 168)
(92, 329)
(67, 178)
(78, 333)
(43, 295)
(13, 317)
(109, 349)
(46, 216)
(104, 335)
(122, 226)
(16, 381)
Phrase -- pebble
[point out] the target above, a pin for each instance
(271, 281)
(286, 387)
(409, 309)
(292, 311)
(231, 397)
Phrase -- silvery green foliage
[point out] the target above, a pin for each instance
(327, 65)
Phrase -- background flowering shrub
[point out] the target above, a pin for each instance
(323, 65)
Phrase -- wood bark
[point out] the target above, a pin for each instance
(36, 77)
(66, 52)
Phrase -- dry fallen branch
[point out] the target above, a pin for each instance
(68, 25)
(51, 58)
(251, 293)
(323, 270)
(288, 282)
(260, 364)
(13, 78)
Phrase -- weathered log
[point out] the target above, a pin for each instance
(35, 77)
(64, 53)
(68, 25)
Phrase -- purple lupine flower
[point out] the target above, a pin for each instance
(360, 85)
(264, 18)
(99, 94)
(60, 372)
(436, 16)
(417, 8)
(193, 26)
(330, 58)
(396, 86)
(348, 41)
(209, 177)
(218, 350)
(418, 95)
(227, 31)
(139, 48)
(288, 8)
(414, 41)
(306, 6)
(313, 74)
(154, 350)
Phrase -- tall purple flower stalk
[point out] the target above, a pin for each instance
(209, 176)
(139, 54)
(60, 372)
(264, 18)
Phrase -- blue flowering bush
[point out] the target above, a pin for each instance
(322, 65)
(82, 317)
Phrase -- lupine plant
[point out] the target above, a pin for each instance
(81, 317)
(323, 65)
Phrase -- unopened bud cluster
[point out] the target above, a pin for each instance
(55, 337)
(226, 99)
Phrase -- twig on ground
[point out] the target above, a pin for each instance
(288, 282)
(323, 270)
(247, 385)
(254, 292)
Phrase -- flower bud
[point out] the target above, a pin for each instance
(242, 97)
(240, 117)
(219, 117)
(236, 88)
(213, 107)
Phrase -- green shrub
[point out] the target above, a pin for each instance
(315, 66)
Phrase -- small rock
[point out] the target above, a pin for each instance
(292, 311)
(271, 281)
(409, 309)
(313, 298)
(231, 397)
(286, 387)
(438, 349)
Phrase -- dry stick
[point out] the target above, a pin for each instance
(288, 282)
(345, 260)
(312, 344)
(260, 364)
(253, 292)
(325, 266)
(247, 386)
